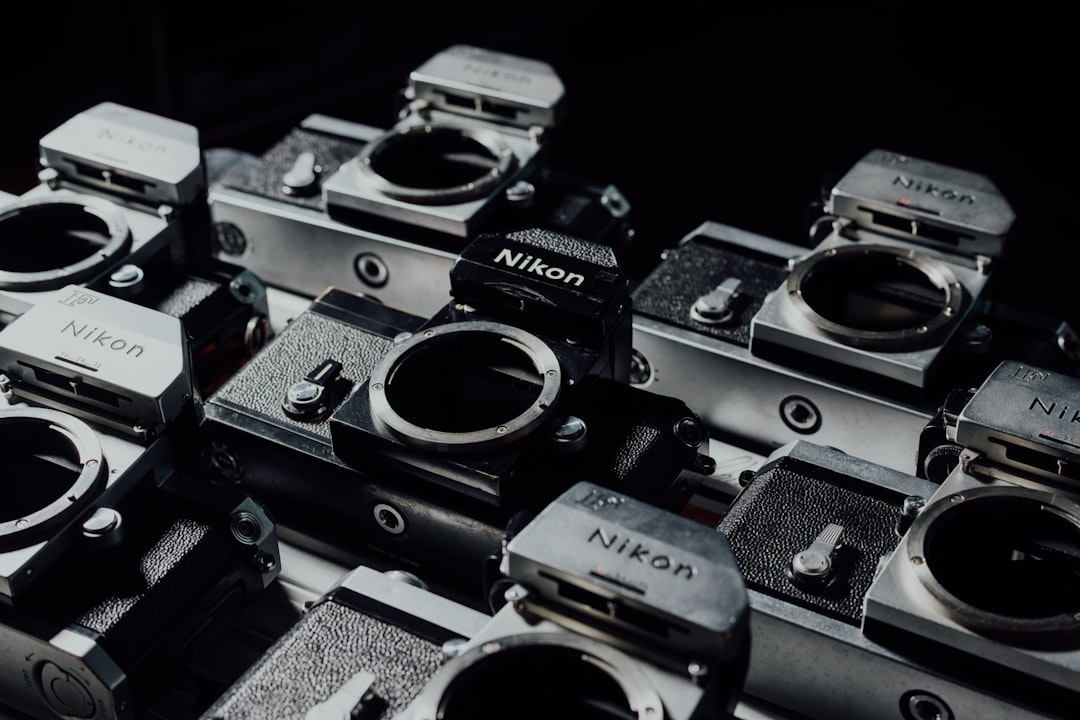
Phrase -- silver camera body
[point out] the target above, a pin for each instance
(385, 211)
(621, 607)
(884, 593)
(119, 187)
(989, 566)
(851, 344)
(109, 562)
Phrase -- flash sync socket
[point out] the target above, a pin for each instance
(49, 243)
(436, 163)
(876, 297)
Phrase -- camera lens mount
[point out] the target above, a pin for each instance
(582, 678)
(465, 387)
(436, 163)
(55, 467)
(875, 296)
(1002, 562)
(51, 242)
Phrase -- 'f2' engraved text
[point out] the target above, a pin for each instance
(527, 263)
(636, 551)
(1052, 409)
(925, 186)
(98, 336)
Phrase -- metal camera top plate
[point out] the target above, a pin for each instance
(938, 274)
(44, 217)
(955, 210)
(87, 461)
(544, 362)
(86, 351)
(128, 152)
(1026, 418)
(105, 466)
(559, 653)
(504, 163)
(910, 355)
(456, 209)
(50, 207)
(908, 600)
(490, 85)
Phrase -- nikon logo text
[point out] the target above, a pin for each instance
(98, 336)
(529, 264)
(494, 72)
(142, 144)
(632, 550)
(1052, 409)
(929, 188)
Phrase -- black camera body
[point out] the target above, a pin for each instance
(658, 629)
(852, 343)
(428, 434)
(122, 209)
(113, 559)
(386, 211)
(841, 629)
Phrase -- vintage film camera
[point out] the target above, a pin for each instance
(385, 212)
(987, 578)
(852, 344)
(615, 609)
(420, 438)
(122, 209)
(886, 595)
(113, 559)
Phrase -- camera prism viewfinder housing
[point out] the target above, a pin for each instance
(385, 211)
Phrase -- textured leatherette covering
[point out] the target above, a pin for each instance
(785, 508)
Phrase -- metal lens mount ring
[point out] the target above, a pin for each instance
(968, 550)
(895, 333)
(437, 163)
(54, 467)
(474, 334)
(483, 681)
(81, 219)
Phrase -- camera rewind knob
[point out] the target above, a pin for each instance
(716, 308)
(813, 569)
(312, 399)
(302, 177)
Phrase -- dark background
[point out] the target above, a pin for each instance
(696, 111)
